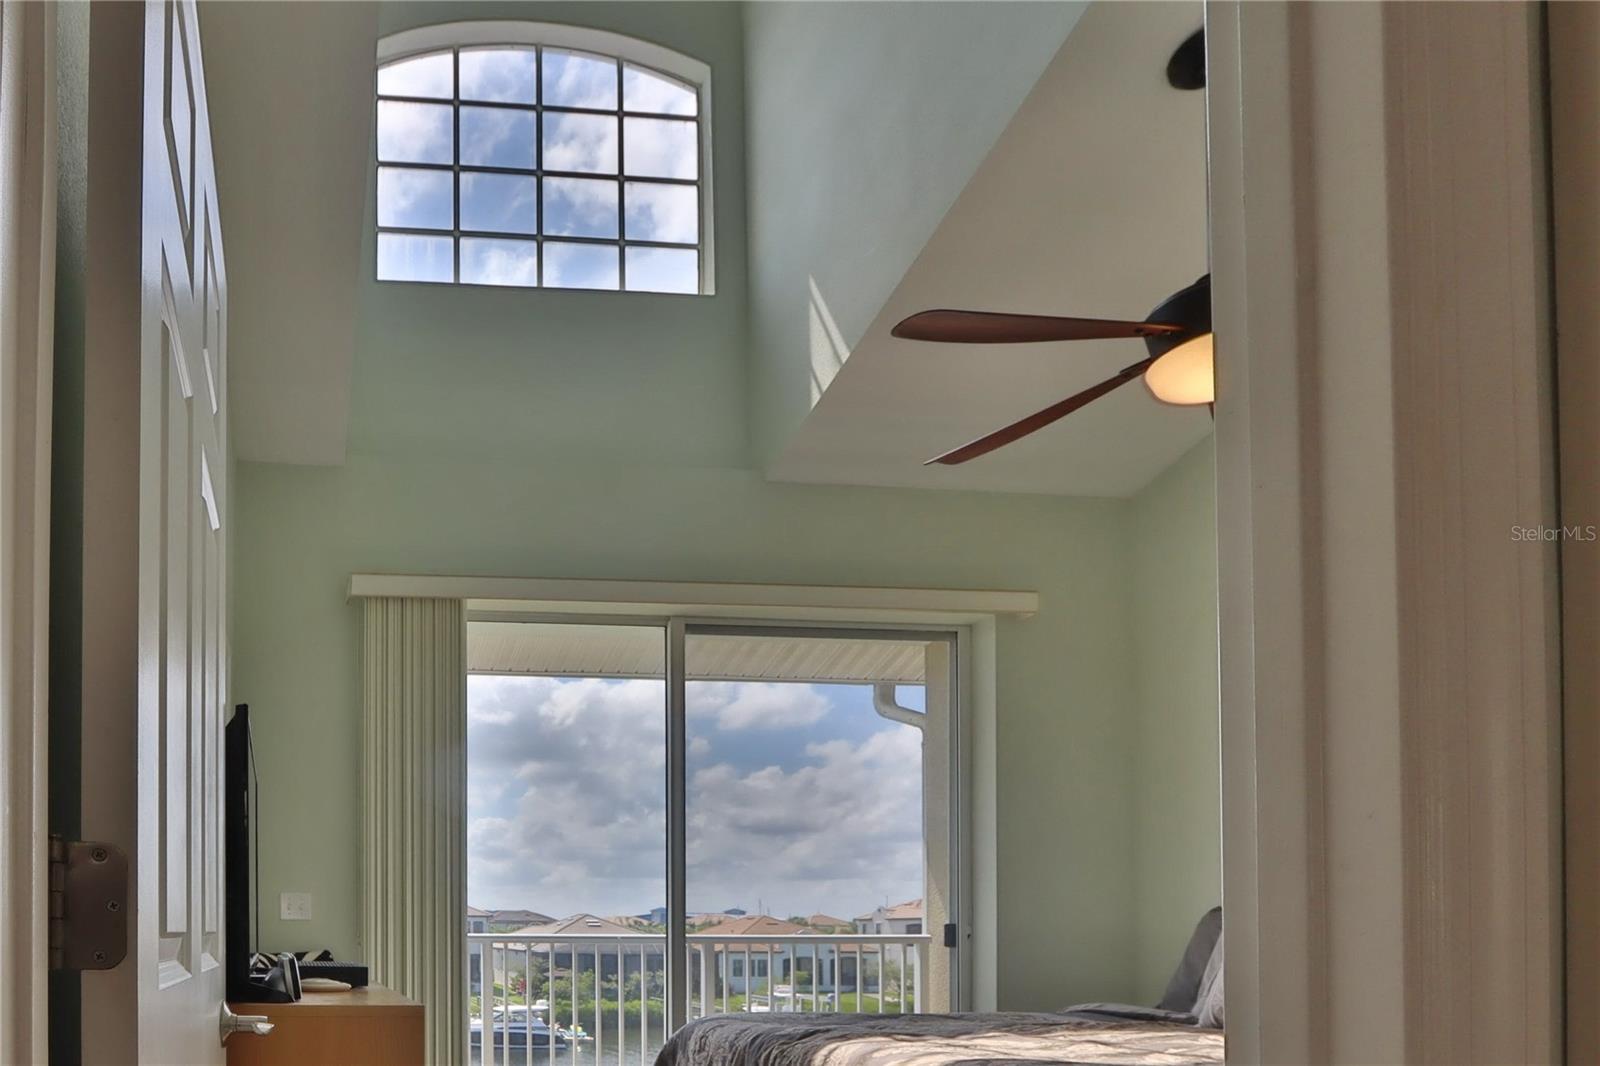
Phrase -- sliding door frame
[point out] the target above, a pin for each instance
(676, 629)
(957, 822)
(677, 827)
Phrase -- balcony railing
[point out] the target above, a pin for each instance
(599, 999)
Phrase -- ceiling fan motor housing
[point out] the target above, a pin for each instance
(1187, 67)
(1189, 308)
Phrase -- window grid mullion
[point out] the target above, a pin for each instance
(455, 161)
(538, 162)
(622, 167)
(531, 172)
(560, 109)
(496, 234)
(700, 168)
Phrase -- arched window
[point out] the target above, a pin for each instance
(528, 154)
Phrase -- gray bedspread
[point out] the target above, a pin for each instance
(933, 1040)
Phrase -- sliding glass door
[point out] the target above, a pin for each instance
(816, 820)
(672, 820)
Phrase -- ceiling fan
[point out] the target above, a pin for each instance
(1177, 334)
(1177, 370)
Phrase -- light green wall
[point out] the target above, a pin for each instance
(550, 377)
(1064, 737)
(1174, 584)
(865, 122)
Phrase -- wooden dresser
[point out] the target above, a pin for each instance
(362, 1027)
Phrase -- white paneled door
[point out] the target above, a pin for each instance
(155, 531)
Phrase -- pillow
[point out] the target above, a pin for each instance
(1208, 1009)
(1184, 989)
(1125, 1012)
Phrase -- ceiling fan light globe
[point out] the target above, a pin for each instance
(1184, 376)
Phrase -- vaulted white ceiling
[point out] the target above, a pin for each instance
(1093, 203)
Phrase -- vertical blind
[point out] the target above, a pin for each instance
(414, 795)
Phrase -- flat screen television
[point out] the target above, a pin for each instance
(241, 920)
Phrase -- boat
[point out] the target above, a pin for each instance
(575, 1035)
(516, 1025)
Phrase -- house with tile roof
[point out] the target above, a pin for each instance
(786, 956)
(827, 923)
(900, 919)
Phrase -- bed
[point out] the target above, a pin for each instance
(1184, 1028)
(935, 1040)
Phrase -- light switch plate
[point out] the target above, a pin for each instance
(294, 906)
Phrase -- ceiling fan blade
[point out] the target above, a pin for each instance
(994, 327)
(1038, 420)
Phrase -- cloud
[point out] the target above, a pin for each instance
(643, 90)
(502, 74)
(586, 143)
(566, 799)
(573, 79)
(497, 136)
(659, 212)
(661, 148)
(415, 133)
(414, 198)
(756, 705)
(499, 262)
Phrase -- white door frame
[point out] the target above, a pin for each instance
(27, 333)
(1574, 40)
(1389, 697)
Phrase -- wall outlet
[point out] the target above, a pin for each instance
(294, 906)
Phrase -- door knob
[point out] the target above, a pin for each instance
(230, 1023)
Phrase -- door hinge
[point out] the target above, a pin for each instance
(88, 905)
(951, 935)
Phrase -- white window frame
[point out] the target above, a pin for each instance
(424, 40)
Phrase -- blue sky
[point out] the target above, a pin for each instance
(801, 799)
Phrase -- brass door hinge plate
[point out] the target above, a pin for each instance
(88, 905)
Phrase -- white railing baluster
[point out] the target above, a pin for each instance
(488, 1009)
(816, 975)
(861, 995)
(900, 985)
(715, 956)
(572, 982)
(918, 990)
(705, 981)
(527, 1005)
